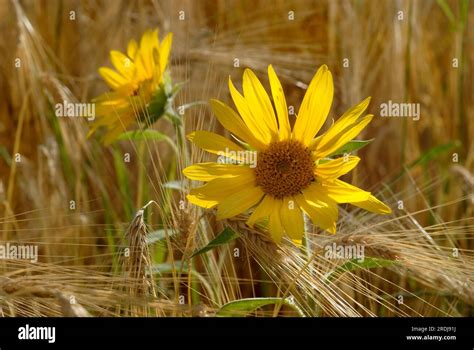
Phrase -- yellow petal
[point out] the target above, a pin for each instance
(339, 191)
(132, 49)
(332, 143)
(211, 171)
(259, 103)
(280, 104)
(232, 122)
(322, 214)
(142, 73)
(121, 94)
(119, 127)
(315, 106)
(374, 205)
(112, 117)
(146, 51)
(155, 41)
(217, 190)
(239, 202)
(292, 221)
(255, 126)
(337, 167)
(112, 78)
(275, 226)
(165, 48)
(123, 64)
(109, 100)
(217, 144)
(348, 118)
(157, 72)
(144, 56)
(202, 201)
(262, 211)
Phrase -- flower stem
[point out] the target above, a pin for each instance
(141, 172)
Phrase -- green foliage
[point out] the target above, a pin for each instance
(147, 135)
(222, 238)
(168, 267)
(123, 183)
(5, 155)
(174, 185)
(355, 264)
(243, 307)
(156, 108)
(158, 235)
(351, 146)
(434, 153)
(456, 24)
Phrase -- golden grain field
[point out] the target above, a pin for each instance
(114, 231)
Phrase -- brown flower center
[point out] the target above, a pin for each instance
(284, 169)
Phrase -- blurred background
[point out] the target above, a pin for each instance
(400, 50)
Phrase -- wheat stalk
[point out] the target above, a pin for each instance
(136, 262)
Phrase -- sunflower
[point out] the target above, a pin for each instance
(139, 87)
(295, 171)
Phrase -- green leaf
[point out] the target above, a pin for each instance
(351, 146)
(242, 307)
(156, 108)
(464, 13)
(174, 185)
(192, 104)
(146, 135)
(447, 12)
(123, 180)
(168, 267)
(5, 155)
(224, 237)
(355, 264)
(69, 173)
(158, 235)
(172, 90)
(434, 153)
(140, 135)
